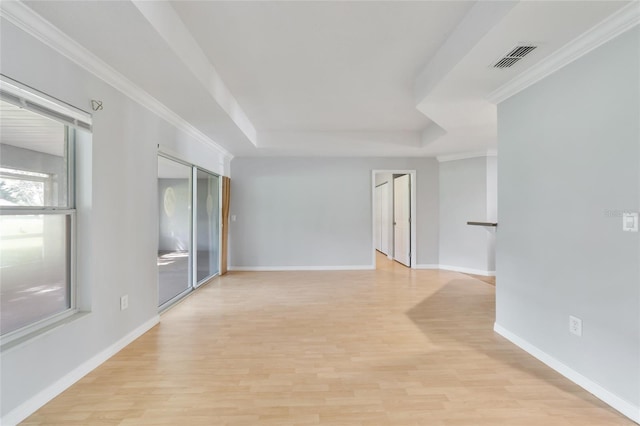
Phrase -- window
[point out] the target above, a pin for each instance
(37, 211)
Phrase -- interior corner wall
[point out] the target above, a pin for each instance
(465, 196)
(569, 166)
(117, 225)
(317, 212)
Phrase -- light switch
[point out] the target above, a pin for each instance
(233, 218)
(630, 222)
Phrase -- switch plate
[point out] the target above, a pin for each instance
(124, 302)
(233, 218)
(575, 326)
(630, 222)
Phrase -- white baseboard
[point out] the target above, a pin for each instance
(30, 406)
(302, 268)
(355, 268)
(628, 409)
(426, 266)
(468, 270)
(458, 269)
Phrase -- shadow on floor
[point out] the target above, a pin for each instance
(459, 317)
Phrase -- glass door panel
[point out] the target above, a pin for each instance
(174, 233)
(207, 225)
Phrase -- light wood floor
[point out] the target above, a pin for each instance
(385, 347)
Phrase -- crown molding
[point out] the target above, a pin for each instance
(169, 26)
(466, 155)
(35, 25)
(616, 24)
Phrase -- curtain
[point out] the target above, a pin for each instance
(226, 198)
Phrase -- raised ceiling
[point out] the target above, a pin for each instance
(326, 78)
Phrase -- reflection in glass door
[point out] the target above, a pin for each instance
(174, 239)
(207, 231)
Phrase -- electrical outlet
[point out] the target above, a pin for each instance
(124, 302)
(575, 326)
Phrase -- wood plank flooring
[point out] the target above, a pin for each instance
(385, 347)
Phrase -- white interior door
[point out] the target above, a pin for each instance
(402, 219)
(385, 217)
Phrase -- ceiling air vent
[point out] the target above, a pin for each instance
(514, 55)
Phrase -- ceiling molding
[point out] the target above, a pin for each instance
(466, 156)
(616, 24)
(479, 20)
(33, 24)
(432, 133)
(164, 19)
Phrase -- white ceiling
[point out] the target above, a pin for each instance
(326, 78)
(329, 66)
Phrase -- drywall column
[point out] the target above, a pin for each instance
(569, 166)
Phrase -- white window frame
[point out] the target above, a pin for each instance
(27, 98)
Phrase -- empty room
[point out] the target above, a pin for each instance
(319, 213)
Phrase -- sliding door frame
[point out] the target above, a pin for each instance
(194, 228)
(193, 188)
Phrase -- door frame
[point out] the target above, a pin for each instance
(414, 251)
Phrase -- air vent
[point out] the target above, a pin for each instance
(514, 55)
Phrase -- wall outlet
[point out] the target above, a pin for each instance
(575, 326)
(124, 302)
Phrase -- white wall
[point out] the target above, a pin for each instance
(569, 161)
(117, 222)
(467, 193)
(294, 212)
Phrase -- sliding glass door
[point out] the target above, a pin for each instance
(189, 228)
(207, 230)
(174, 233)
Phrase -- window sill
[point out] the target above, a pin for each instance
(21, 341)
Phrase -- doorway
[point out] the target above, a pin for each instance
(402, 219)
(393, 207)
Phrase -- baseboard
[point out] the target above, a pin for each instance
(458, 269)
(355, 268)
(628, 409)
(426, 266)
(302, 268)
(30, 406)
